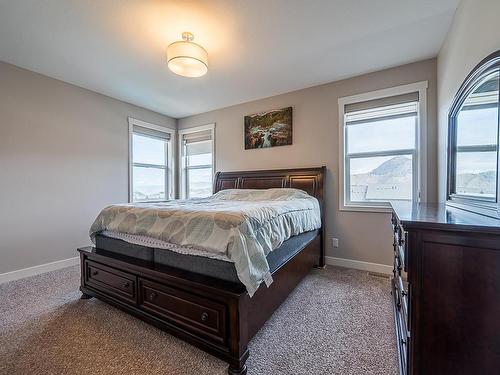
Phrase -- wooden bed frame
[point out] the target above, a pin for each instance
(217, 316)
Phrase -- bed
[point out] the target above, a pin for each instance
(203, 300)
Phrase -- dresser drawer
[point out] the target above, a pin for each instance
(400, 243)
(402, 288)
(402, 332)
(110, 281)
(402, 256)
(398, 264)
(402, 246)
(194, 313)
(403, 345)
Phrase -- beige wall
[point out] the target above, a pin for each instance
(474, 34)
(363, 236)
(63, 156)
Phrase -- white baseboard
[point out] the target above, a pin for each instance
(359, 265)
(36, 270)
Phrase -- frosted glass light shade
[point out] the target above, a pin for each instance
(187, 59)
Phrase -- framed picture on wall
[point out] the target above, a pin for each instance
(268, 129)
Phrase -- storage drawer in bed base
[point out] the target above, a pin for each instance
(110, 281)
(197, 314)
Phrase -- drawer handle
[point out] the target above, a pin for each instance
(95, 273)
(204, 317)
(152, 296)
(126, 285)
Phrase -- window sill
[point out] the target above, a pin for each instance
(370, 209)
(480, 208)
(153, 201)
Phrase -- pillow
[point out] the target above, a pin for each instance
(274, 194)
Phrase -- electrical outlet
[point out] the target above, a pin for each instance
(335, 242)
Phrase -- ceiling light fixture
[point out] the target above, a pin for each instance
(186, 58)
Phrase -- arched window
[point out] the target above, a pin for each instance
(473, 137)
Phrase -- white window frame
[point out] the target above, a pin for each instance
(170, 156)
(420, 155)
(182, 162)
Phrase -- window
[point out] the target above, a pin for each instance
(380, 155)
(197, 161)
(150, 160)
(473, 140)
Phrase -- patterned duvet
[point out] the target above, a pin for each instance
(240, 226)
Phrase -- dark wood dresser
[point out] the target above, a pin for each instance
(446, 290)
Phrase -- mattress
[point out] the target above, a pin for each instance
(215, 268)
(241, 226)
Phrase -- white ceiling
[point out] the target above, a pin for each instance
(256, 48)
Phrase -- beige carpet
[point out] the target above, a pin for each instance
(337, 321)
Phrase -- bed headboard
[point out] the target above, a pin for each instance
(308, 179)
(311, 180)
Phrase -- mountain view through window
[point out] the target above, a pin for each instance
(389, 178)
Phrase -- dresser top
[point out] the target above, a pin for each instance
(441, 216)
